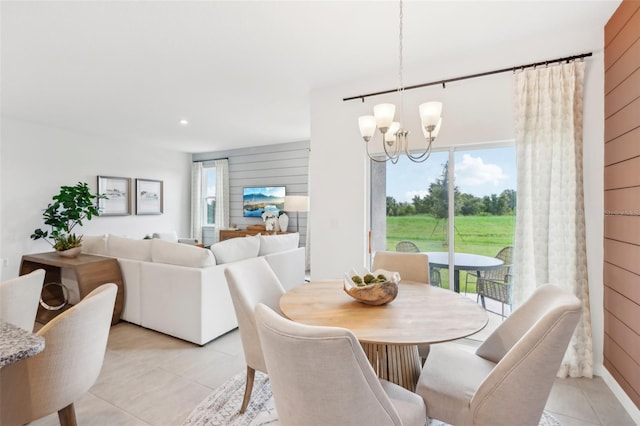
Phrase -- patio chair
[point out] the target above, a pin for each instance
(407, 246)
(496, 283)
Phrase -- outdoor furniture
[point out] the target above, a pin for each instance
(250, 282)
(411, 266)
(19, 298)
(320, 376)
(462, 262)
(508, 379)
(407, 246)
(496, 283)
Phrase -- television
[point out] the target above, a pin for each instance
(258, 199)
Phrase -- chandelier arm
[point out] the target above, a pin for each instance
(374, 158)
(427, 152)
(396, 151)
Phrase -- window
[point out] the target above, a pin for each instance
(208, 195)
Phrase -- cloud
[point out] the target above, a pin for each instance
(473, 171)
(410, 194)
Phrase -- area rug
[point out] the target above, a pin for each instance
(222, 406)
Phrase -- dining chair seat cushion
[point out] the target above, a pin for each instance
(445, 394)
(410, 406)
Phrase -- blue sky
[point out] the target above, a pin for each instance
(479, 172)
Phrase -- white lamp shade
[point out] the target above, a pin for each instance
(435, 131)
(296, 203)
(391, 133)
(383, 114)
(430, 113)
(367, 124)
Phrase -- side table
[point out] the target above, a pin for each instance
(91, 271)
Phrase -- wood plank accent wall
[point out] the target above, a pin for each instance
(270, 165)
(622, 198)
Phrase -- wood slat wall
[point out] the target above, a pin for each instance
(271, 165)
(622, 198)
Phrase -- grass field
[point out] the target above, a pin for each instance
(484, 235)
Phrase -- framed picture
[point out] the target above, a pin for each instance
(148, 196)
(117, 190)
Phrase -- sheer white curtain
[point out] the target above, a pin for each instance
(222, 196)
(196, 201)
(550, 229)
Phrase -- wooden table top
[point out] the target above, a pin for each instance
(420, 313)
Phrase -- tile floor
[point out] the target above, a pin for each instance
(149, 378)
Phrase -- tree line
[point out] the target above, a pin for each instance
(436, 202)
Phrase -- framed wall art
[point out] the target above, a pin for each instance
(148, 196)
(117, 190)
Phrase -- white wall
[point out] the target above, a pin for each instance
(477, 110)
(36, 160)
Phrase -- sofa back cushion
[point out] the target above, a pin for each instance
(129, 248)
(167, 236)
(277, 243)
(180, 254)
(95, 244)
(236, 249)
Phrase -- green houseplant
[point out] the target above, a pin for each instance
(69, 208)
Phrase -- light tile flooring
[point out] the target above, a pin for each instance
(149, 378)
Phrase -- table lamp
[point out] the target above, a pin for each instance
(296, 203)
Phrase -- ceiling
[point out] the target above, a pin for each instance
(240, 72)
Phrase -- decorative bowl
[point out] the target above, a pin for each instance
(376, 293)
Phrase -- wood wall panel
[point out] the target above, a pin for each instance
(622, 148)
(622, 197)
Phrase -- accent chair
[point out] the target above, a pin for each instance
(19, 299)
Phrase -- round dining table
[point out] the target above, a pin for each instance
(389, 334)
(462, 262)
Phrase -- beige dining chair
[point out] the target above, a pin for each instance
(75, 343)
(321, 376)
(250, 282)
(19, 299)
(411, 266)
(508, 379)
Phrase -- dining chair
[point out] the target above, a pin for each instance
(508, 379)
(321, 376)
(20, 297)
(250, 282)
(75, 343)
(407, 246)
(411, 266)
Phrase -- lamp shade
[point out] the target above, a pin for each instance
(435, 131)
(296, 203)
(384, 115)
(430, 113)
(367, 124)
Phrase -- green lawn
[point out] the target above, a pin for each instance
(484, 235)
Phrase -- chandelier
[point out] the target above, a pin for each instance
(395, 138)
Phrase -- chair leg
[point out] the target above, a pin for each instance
(251, 373)
(67, 416)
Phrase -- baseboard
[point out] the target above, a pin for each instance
(619, 393)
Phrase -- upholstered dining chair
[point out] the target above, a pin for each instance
(321, 376)
(407, 246)
(411, 266)
(251, 282)
(508, 379)
(19, 299)
(75, 343)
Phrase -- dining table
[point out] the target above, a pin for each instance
(462, 262)
(17, 344)
(391, 333)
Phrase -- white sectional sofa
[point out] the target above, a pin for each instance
(181, 290)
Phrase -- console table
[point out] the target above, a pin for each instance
(91, 272)
(228, 234)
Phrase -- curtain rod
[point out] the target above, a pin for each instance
(466, 77)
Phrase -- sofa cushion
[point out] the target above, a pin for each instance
(128, 248)
(167, 236)
(95, 244)
(236, 249)
(180, 254)
(277, 243)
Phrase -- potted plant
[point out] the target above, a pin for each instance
(69, 208)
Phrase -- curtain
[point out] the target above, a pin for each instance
(550, 243)
(222, 196)
(196, 201)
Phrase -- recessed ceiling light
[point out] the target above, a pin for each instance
(184, 122)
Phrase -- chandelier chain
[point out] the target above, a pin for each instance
(400, 61)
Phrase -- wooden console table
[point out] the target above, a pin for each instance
(91, 272)
(228, 234)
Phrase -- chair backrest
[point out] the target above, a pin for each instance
(503, 272)
(407, 246)
(528, 348)
(19, 299)
(411, 266)
(75, 343)
(250, 282)
(320, 375)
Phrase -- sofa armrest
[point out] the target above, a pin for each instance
(288, 266)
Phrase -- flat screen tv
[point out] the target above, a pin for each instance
(258, 199)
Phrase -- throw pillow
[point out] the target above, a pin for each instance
(128, 248)
(167, 236)
(180, 254)
(236, 249)
(95, 244)
(277, 243)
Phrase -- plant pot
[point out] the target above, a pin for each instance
(72, 252)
